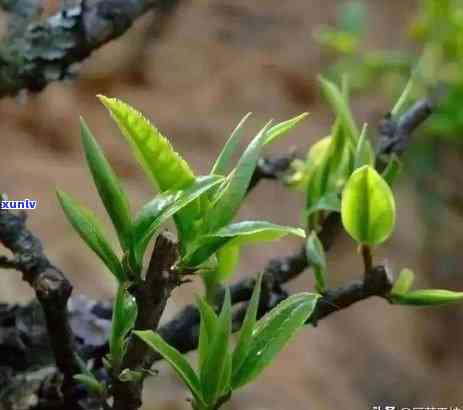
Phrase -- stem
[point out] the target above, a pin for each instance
(367, 260)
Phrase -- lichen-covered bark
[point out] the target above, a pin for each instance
(36, 53)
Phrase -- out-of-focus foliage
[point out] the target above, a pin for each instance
(437, 29)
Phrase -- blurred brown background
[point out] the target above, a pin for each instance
(208, 64)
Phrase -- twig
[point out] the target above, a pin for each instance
(41, 52)
(51, 288)
(151, 295)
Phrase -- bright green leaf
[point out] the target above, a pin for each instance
(165, 168)
(278, 130)
(224, 210)
(108, 185)
(175, 359)
(427, 297)
(214, 365)
(223, 160)
(340, 106)
(368, 207)
(404, 282)
(316, 257)
(244, 340)
(364, 154)
(89, 228)
(228, 258)
(272, 333)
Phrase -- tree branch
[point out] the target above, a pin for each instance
(38, 53)
(151, 295)
(51, 288)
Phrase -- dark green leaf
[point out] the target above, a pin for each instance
(207, 330)
(272, 333)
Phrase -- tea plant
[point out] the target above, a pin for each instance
(341, 178)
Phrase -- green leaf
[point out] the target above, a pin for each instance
(364, 154)
(368, 207)
(244, 340)
(404, 282)
(230, 200)
(228, 258)
(223, 160)
(272, 333)
(214, 365)
(404, 97)
(225, 382)
(91, 383)
(238, 234)
(316, 256)
(282, 128)
(89, 228)
(162, 207)
(427, 297)
(165, 168)
(207, 329)
(329, 202)
(124, 316)
(392, 170)
(175, 359)
(108, 186)
(340, 106)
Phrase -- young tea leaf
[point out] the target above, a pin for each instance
(278, 130)
(123, 320)
(238, 234)
(89, 228)
(175, 359)
(214, 365)
(108, 186)
(364, 154)
(223, 160)
(245, 336)
(163, 166)
(393, 170)
(207, 329)
(368, 207)
(164, 206)
(427, 297)
(224, 210)
(316, 257)
(340, 106)
(404, 282)
(272, 333)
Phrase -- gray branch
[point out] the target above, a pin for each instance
(39, 52)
